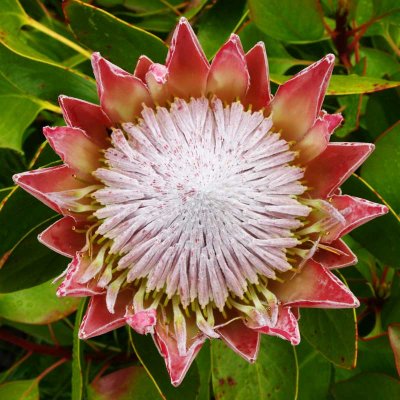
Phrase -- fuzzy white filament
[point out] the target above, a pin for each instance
(200, 200)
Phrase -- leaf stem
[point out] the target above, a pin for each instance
(392, 44)
(51, 368)
(15, 365)
(242, 19)
(144, 365)
(42, 28)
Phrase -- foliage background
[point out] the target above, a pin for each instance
(44, 51)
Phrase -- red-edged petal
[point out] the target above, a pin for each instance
(122, 95)
(142, 322)
(228, 78)
(317, 138)
(142, 67)
(356, 212)
(42, 182)
(335, 255)
(186, 62)
(298, 101)
(74, 148)
(87, 116)
(98, 320)
(286, 327)
(258, 93)
(241, 339)
(314, 286)
(71, 286)
(157, 82)
(63, 238)
(177, 364)
(325, 173)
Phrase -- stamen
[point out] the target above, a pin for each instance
(200, 205)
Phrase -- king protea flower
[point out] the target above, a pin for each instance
(197, 205)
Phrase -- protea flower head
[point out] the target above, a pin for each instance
(197, 205)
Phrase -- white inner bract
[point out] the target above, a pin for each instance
(200, 200)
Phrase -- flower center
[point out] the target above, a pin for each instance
(200, 201)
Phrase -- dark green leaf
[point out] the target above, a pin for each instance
(150, 358)
(291, 21)
(381, 170)
(203, 361)
(273, 376)
(212, 33)
(29, 263)
(382, 111)
(78, 389)
(385, 245)
(351, 108)
(279, 59)
(117, 40)
(369, 386)
(57, 332)
(332, 333)
(11, 162)
(391, 309)
(314, 373)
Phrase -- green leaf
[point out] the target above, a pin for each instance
(28, 262)
(20, 390)
(28, 86)
(153, 363)
(391, 309)
(379, 63)
(375, 355)
(124, 384)
(12, 19)
(11, 162)
(203, 361)
(351, 109)
(385, 245)
(4, 193)
(394, 338)
(382, 111)
(389, 8)
(156, 23)
(195, 9)
(117, 40)
(77, 359)
(211, 32)
(312, 365)
(148, 5)
(349, 84)
(332, 333)
(369, 386)
(279, 59)
(36, 305)
(381, 170)
(291, 21)
(57, 331)
(31, 38)
(273, 376)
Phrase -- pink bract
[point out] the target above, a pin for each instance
(197, 205)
